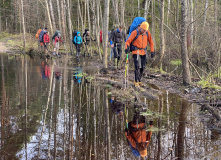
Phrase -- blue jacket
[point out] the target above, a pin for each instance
(41, 35)
(77, 39)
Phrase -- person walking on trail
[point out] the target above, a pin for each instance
(86, 39)
(56, 43)
(137, 137)
(41, 37)
(78, 42)
(116, 39)
(137, 43)
(46, 41)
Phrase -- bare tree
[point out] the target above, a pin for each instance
(59, 15)
(70, 27)
(115, 7)
(52, 16)
(23, 22)
(105, 31)
(205, 13)
(49, 17)
(183, 43)
(63, 19)
(146, 8)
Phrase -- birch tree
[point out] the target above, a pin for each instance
(59, 15)
(63, 19)
(70, 27)
(183, 43)
(49, 17)
(146, 8)
(23, 22)
(105, 31)
(52, 15)
(115, 7)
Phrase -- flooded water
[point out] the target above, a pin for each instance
(53, 110)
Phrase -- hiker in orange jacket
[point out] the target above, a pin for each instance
(137, 136)
(137, 43)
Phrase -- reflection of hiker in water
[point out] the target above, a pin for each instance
(78, 75)
(45, 70)
(137, 136)
(57, 71)
(116, 106)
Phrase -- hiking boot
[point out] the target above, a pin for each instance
(141, 84)
(136, 84)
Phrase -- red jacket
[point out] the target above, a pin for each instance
(56, 39)
(46, 38)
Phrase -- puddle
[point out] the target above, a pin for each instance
(50, 110)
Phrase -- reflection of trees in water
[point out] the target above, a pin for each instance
(77, 124)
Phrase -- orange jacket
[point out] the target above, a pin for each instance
(38, 33)
(140, 42)
(140, 135)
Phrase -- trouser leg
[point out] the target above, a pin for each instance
(143, 66)
(137, 70)
(119, 49)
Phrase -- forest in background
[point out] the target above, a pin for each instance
(186, 30)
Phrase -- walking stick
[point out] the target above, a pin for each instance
(126, 71)
(126, 114)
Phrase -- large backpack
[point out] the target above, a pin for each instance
(134, 26)
(38, 33)
(55, 34)
(73, 35)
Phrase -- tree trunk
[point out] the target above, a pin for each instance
(183, 43)
(79, 12)
(98, 28)
(23, 23)
(59, 15)
(70, 27)
(52, 16)
(153, 22)
(168, 12)
(122, 12)
(49, 17)
(63, 20)
(138, 7)
(115, 7)
(205, 13)
(162, 45)
(105, 31)
(146, 8)
(89, 24)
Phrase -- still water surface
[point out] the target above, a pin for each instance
(49, 110)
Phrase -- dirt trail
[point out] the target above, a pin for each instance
(3, 48)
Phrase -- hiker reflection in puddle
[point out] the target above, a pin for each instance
(137, 136)
(117, 107)
(78, 75)
(57, 72)
(45, 70)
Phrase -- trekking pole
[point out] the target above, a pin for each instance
(126, 71)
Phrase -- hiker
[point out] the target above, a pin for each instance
(137, 137)
(101, 36)
(137, 43)
(116, 40)
(41, 37)
(86, 40)
(117, 107)
(37, 37)
(56, 43)
(46, 41)
(78, 42)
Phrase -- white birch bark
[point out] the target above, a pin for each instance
(105, 31)
(122, 12)
(146, 8)
(49, 16)
(115, 7)
(23, 22)
(138, 7)
(52, 15)
(59, 15)
(70, 27)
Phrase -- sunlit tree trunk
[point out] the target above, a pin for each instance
(183, 43)
(105, 31)
(59, 15)
(70, 26)
(52, 16)
(146, 8)
(49, 17)
(23, 23)
(98, 27)
(63, 20)
(153, 22)
(81, 18)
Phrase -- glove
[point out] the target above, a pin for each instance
(152, 54)
(127, 50)
(151, 123)
(127, 131)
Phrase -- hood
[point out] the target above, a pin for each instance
(78, 33)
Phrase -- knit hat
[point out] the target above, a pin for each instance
(144, 26)
(143, 153)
